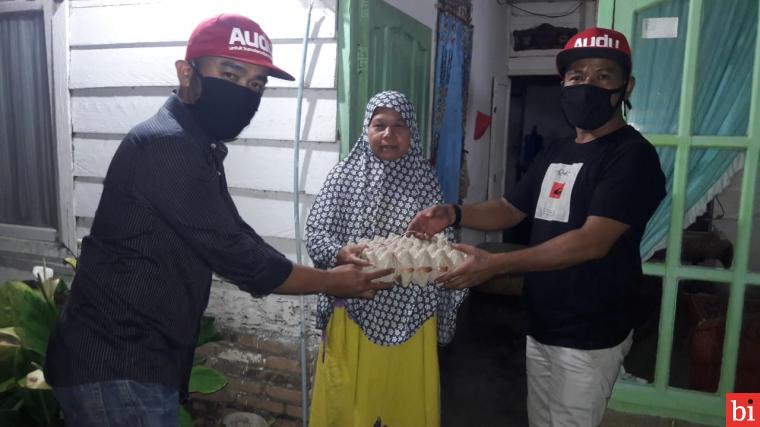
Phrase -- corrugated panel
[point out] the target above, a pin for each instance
(269, 213)
(262, 165)
(174, 21)
(118, 111)
(154, 66)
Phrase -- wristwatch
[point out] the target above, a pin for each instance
(457, 215)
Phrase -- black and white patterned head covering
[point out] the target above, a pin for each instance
(366, 197)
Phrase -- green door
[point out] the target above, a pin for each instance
(684, 72)
(380, 48)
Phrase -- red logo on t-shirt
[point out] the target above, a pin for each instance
(740, 410)
(557, 190)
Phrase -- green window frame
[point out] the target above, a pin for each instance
(658, 398)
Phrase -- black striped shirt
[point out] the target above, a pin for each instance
(165, 221)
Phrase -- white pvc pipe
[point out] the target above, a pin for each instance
(297, 219)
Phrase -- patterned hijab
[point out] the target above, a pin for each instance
(365, 197)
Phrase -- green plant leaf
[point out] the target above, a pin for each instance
(185, 420)
(206, 380)
(41, 406)
(62, 290)
(11, 335)
(25, 308)
(71, 262)
(208, 332)
(14, 364)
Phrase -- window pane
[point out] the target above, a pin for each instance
(724, 74)
(754, 243)
(658, 66)
(27, 154)
(640, 361)
(748, 367)
(698, 335)
(713, 194)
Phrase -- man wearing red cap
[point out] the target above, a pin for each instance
(589, 200)
(122, 349)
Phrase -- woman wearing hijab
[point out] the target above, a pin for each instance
(378, 363)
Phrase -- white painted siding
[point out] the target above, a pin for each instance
(121, 74)
(122, 55)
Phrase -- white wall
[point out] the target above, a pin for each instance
(540, 62)
(421, 10)
(122, 70)
(489, 60)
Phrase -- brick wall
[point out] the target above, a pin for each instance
(264, 377)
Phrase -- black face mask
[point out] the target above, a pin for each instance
(587, 106)
(224, 108)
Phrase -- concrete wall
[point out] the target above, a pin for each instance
(489, 61)
(421, 10)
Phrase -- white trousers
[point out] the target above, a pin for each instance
(570, 387)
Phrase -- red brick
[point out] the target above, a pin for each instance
(284, 394)
(270, 376)
(237, 386)
(266, 346)
(294, 411)
(282, 363)
(255, 403)
(283, 422)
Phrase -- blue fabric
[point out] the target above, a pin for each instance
(452, 69)
(118, 403)
(721, 101)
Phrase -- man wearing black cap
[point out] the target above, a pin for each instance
(589, 200)
(122, 349)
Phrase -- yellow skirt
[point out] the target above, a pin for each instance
(362, 384)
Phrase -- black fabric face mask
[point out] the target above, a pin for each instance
(224, 108)
(587, 106)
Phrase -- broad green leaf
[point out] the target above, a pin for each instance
(208, 332)
(8, 384)
(62, 290)
(206, 380)
(41, 406)
(14, 364)
(11, 335)
(26, 308)
(185, 420)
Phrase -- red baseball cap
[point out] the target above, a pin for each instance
(595, 43)
(235, 37)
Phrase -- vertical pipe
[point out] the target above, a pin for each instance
(296, 214)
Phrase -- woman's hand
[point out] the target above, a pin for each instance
(349, 254)
(431, 221)
(478, 267)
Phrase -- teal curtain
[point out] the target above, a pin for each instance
(721, 101)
